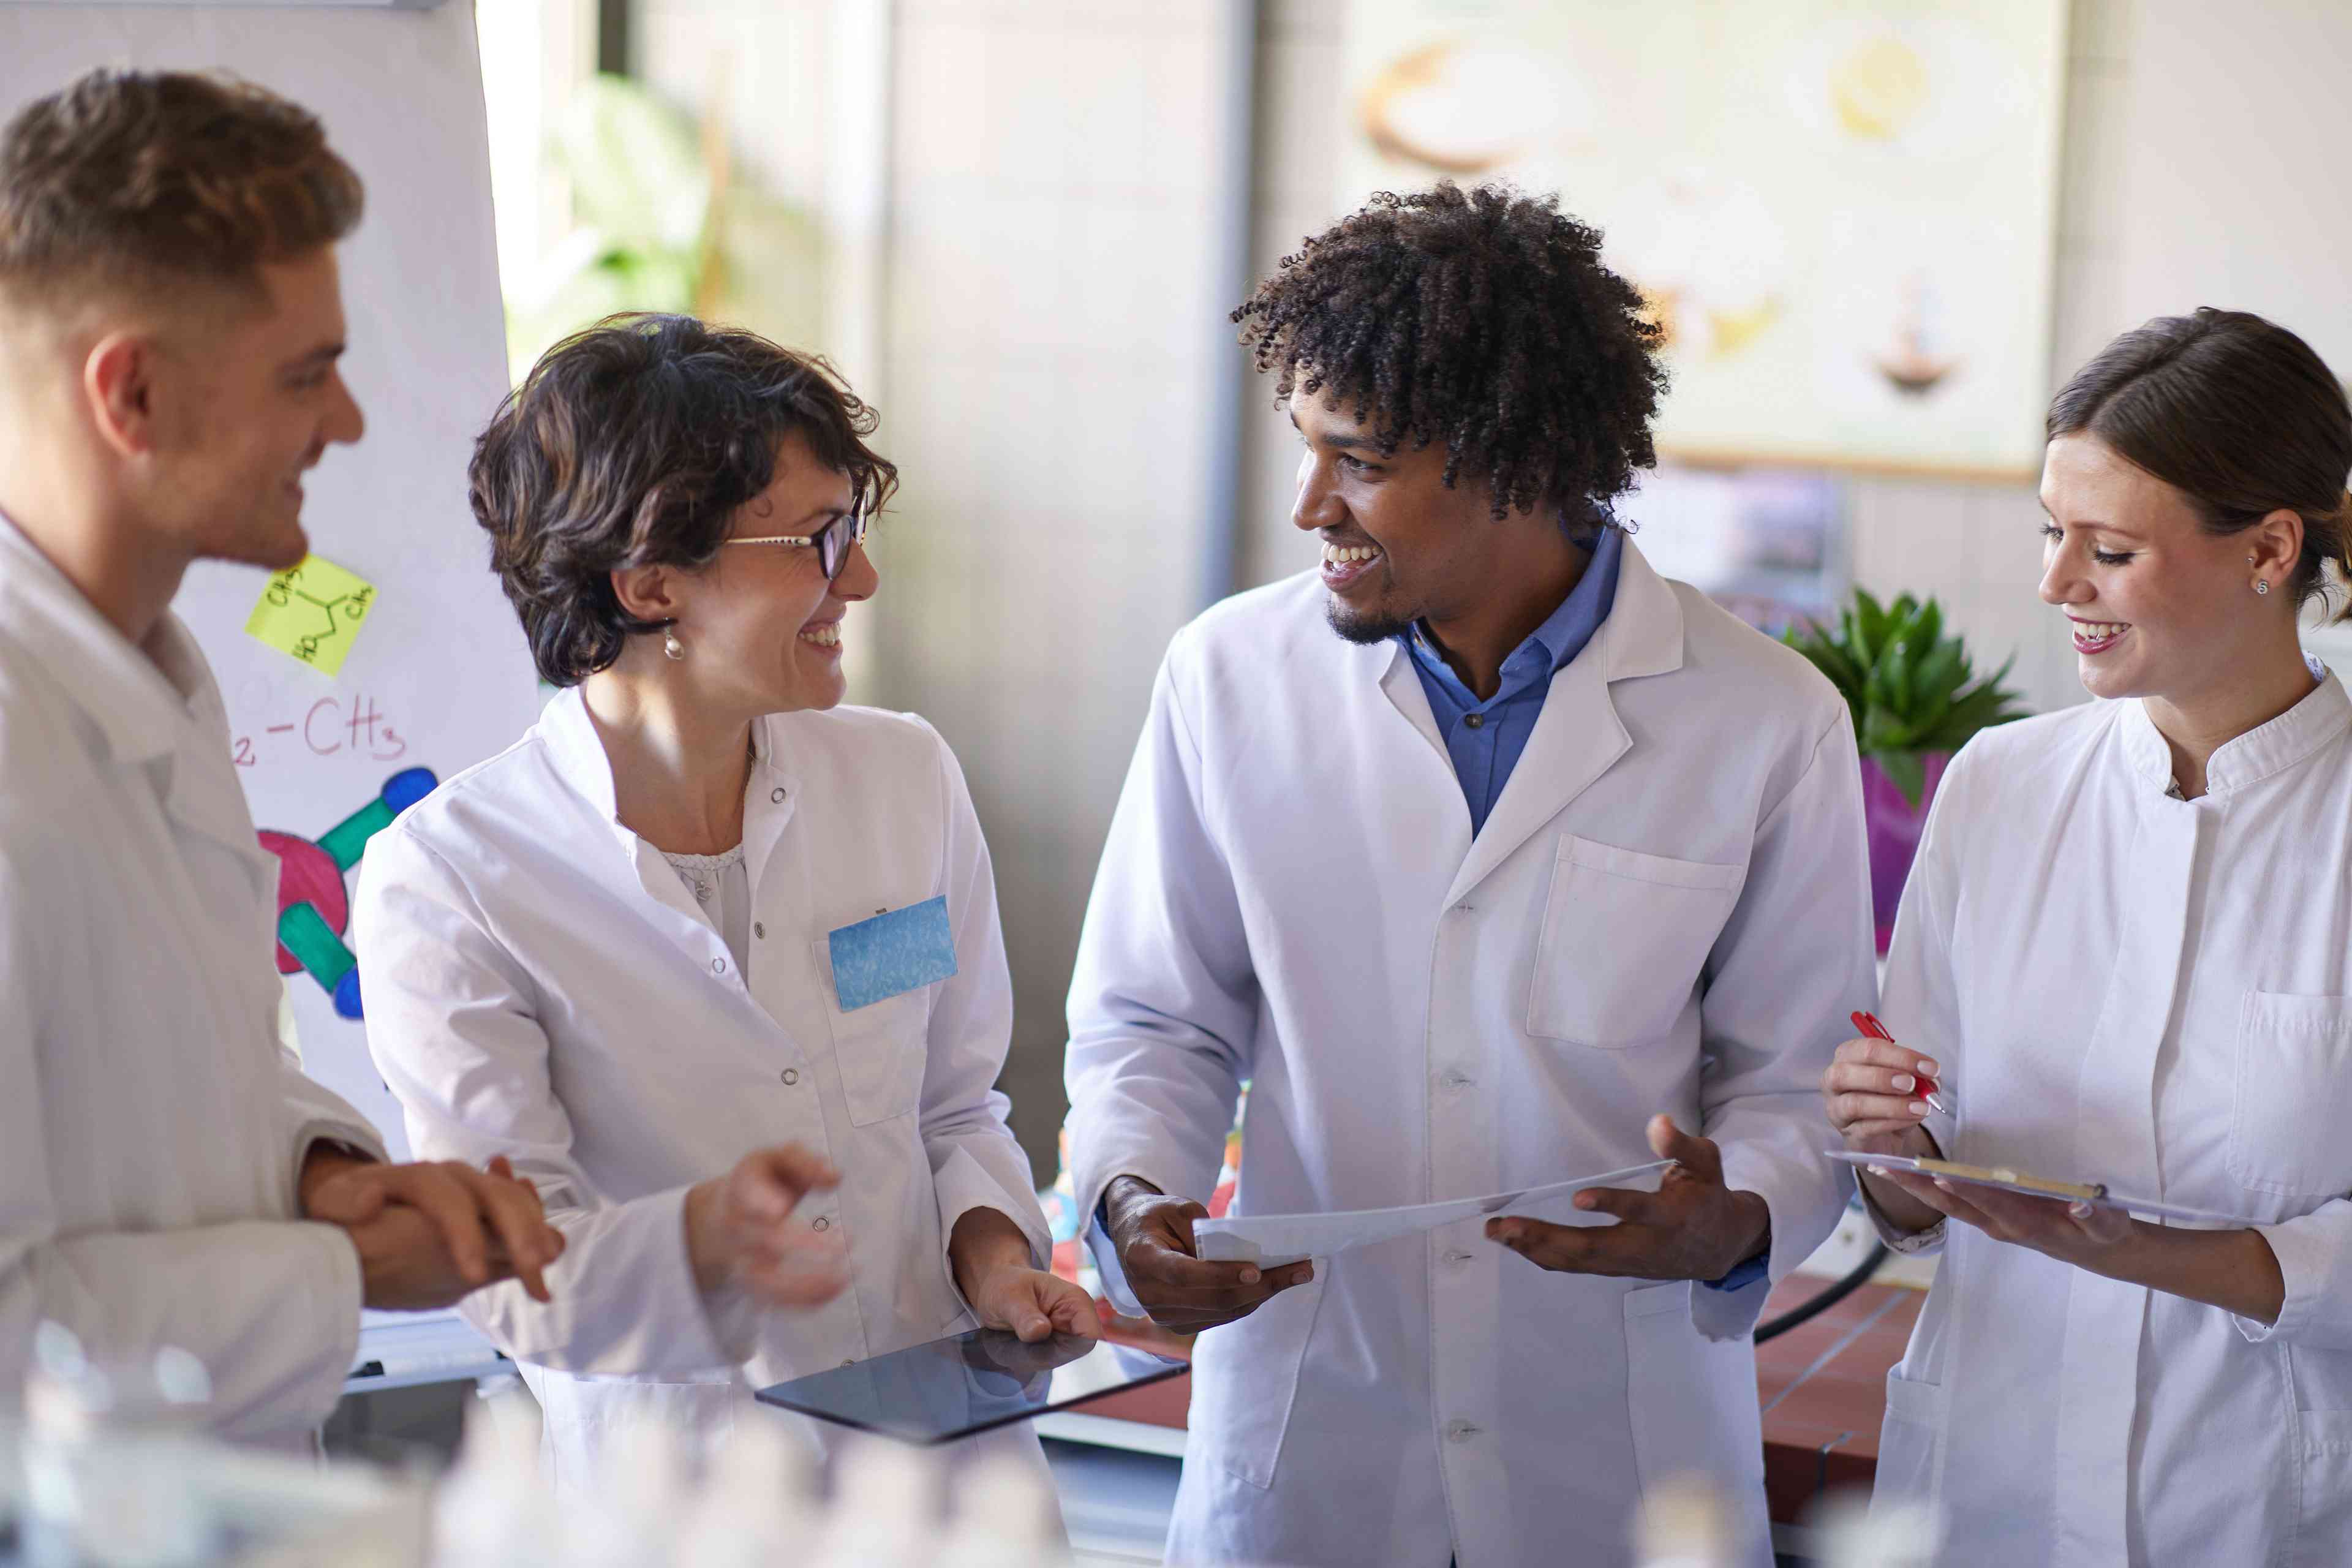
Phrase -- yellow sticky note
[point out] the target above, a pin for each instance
(312, 612)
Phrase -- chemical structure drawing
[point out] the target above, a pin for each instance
(332, 616)
(314, 907)
(313, 612)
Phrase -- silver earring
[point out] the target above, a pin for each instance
(2262, 585)
(672, 646)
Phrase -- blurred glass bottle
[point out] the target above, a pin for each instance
(112, 1450)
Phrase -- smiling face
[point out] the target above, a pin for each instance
(242, 408)
(1398, 545)
(2159, 605)
(763, 624)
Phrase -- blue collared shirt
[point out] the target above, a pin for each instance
(1485, 739)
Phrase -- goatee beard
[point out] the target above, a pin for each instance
(1362, 629)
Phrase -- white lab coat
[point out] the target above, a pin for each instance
(541, 985)
(151, 1127)
(2156, 993)
(1667, 911)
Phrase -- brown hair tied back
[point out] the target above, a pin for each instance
(2236, 413)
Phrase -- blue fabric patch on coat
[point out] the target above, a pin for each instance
(876, 959)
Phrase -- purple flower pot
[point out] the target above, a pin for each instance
(1893, 824)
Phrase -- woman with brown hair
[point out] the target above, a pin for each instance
(714, 961)
(2124, 956)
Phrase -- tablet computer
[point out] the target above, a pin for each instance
(967, 1383)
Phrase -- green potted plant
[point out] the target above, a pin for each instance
(1915, 699)
(663, 221)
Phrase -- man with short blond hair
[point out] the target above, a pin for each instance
(169, 326)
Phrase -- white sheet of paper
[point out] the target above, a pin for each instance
(1271, 1240)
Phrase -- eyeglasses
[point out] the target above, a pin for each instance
(832, 541)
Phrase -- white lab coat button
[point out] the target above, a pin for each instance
(1460, 1431)
(759, 930)
(822, 1224)
(777, 795)
(1465, 909)
(717, 966)
(792, 1075)
(1458, 1256)
(1455, 1077)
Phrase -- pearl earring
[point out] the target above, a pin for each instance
(672, 646)
(2262, 585)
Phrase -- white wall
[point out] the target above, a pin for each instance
(1050, 376)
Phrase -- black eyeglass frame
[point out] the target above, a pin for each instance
(832, 543)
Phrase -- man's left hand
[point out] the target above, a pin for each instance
(1692, 1227)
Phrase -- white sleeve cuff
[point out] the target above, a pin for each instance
(2305, 1256)
(963, 1184)
(1728, 1314)
(1910, 1243)
(358, 1136)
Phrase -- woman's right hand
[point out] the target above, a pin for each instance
(739, 1229)
(1874, 1090)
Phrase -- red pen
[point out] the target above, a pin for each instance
(1869, 1025)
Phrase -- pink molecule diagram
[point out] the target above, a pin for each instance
(314, 905)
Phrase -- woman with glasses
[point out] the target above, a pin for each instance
(714, 961)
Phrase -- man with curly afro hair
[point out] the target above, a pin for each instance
(1545, 866)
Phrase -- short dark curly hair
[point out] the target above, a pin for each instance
(1482, 318)
(632, 444)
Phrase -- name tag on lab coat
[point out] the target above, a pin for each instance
(892, 953)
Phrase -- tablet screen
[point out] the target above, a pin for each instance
(969, 1382)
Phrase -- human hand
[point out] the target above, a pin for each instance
(990, 1259)
(2077, 1233)
(739, 1229)
(1692, 1227)
(461, 1228)
(1875, 1092)
(1152, 1234)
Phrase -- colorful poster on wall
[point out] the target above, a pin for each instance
(1841, 211)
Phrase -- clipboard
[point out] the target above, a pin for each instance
(2011, 1181)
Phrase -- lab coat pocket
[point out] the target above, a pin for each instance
(1908, 1443)
(2324, 1521)
(1243, 1387)
(881, 1048)
(2294, 1094)
(1691, 1400)
(1624, 935)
